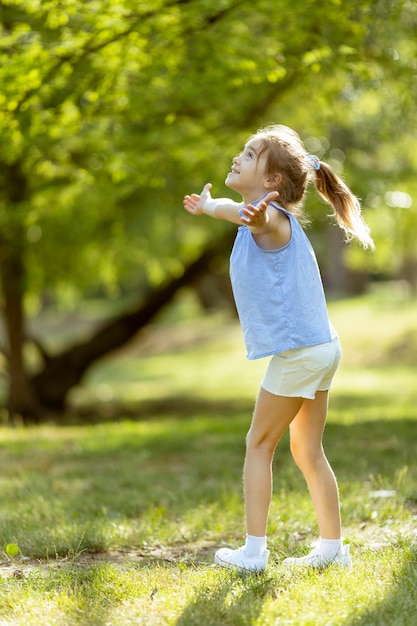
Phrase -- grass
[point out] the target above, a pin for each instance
(117, 519)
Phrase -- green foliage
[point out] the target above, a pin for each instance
(110, 111)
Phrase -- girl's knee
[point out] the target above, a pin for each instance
(257, 441)
(306, 455)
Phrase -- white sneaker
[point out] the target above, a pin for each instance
(237, 559)
(314, 559)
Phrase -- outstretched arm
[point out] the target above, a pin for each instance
(219, 208)
(269, 227)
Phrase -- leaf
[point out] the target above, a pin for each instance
(12, 550)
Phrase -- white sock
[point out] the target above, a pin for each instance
(328, 548)
(255, 546)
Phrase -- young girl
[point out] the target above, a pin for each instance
(282, 311)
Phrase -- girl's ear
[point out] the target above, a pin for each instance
(273, 180)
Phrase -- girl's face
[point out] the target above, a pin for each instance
(247, 175)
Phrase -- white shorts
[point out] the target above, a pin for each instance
(301, 372)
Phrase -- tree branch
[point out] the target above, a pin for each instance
(79, 55)
(66, 369)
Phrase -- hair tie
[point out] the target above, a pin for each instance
(314, 161)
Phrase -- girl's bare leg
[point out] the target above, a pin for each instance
(306, 433)
(271, 418)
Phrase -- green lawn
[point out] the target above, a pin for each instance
(117, 520)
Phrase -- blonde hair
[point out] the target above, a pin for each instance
(286, 155)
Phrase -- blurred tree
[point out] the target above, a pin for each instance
(112, 109)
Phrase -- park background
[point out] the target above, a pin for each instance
(125, 395)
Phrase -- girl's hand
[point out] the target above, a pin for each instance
(195, 203)
(256, 216)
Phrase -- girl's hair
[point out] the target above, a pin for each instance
(286, 154)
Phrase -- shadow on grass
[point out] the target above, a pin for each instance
(236, 601)
(185, 407)
(399, 606)
(92, 592)
(351, 406)
(369, 448)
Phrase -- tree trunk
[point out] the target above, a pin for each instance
(408, 271)
(65, 370)
(338, 278)
(21, 399)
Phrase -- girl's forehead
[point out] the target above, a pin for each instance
(254, 144)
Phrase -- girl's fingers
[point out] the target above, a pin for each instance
(271, 197)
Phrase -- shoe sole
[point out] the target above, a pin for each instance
(293, 565)
(238, 568)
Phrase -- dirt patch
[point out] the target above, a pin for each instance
(366, 536)
(188, 554)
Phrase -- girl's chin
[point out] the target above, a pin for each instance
(229, 182)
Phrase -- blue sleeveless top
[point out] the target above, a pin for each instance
(278, 293)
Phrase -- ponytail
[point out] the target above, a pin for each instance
(347, 207)
(286, 154)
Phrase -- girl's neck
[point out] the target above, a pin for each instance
(250, 198)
